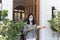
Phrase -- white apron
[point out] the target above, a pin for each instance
(31, 39)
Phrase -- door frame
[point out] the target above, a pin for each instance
(37, 12)
(37, 15)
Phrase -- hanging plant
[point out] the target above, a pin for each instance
(55, 23)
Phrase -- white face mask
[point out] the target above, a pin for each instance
(30, 19)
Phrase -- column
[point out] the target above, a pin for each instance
(8, 5)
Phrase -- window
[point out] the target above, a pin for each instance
(0, 1)
(18, 14)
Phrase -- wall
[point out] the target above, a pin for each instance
(46, 14)
(18, 3)
(8, 5)
(0, 6)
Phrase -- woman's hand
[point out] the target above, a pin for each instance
(43, 27)
(31, 29)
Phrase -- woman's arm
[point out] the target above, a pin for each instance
(37, 28)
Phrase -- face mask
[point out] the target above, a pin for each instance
(30, 19)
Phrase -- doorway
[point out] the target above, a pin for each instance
(21, 9)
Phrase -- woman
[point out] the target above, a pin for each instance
(30, 31)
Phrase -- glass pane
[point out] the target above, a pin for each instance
(18, 16)
(23, 16)
(15, 16)
(19, 10)
(22, 10)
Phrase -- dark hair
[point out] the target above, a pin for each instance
(33, 22)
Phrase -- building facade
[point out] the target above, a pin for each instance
(45, 13)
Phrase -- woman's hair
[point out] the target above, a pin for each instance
(33, 22)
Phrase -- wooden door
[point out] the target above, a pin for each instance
(32, 6)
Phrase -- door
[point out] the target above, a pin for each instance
(29, 6)
(32, 6)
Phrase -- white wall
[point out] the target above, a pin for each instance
(0, 6)
(8, 5)
(46, 14)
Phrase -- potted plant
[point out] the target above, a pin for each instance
(9, 28)
(55, 23)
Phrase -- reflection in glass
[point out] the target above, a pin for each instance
(15, 15)
(23, 16)
(18, 14)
